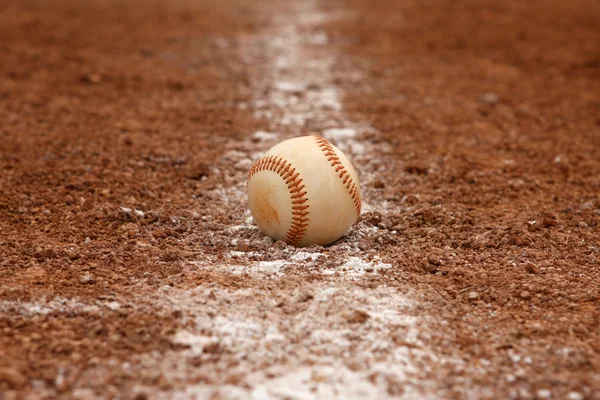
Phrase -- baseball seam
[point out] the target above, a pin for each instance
(294, 184)
(341, 171)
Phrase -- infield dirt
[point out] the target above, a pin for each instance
(131, 268)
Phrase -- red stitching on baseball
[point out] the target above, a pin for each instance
(293, 181)
(336, 163)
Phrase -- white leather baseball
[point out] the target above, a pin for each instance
(304, 191)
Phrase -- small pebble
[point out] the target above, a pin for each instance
(544, 394)
(489, 98)
(87, 279)
(356, 316)
(525, 294)
(379, 184)
(435, 260)
(364, 244)
(199, 171)
(141, 396)
(473, 296)
(91, 78)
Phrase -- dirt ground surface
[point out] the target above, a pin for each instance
(130, 267)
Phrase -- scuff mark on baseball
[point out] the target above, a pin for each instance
(304, 191)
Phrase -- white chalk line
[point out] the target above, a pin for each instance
(322, 364)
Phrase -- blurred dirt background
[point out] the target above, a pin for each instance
(129, 266)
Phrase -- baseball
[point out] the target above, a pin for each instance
(304, 191)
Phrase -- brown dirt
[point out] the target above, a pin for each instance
(128, 263)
